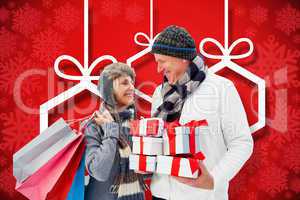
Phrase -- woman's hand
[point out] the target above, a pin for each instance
(102, 118)
(141, 172)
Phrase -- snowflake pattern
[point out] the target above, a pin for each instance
(250, 32)
(269, 151)
(111, 8)
(26, 20)
(66, 17)
(296, 39)
(259, 15)
(7, 182)
(294, 125)
(11, 5)
(279, 138)
(288, 194)
(10, 71)
(288, 19)
(25, 45)
(239, 11)
(252, 196)
(238, 184)
(18, 129)
(3, 160)
(256, 161)
(47, 45)
(273, 55)
(295, 98)
(294, 81)
(4, 102)
(273, 180)
(47, 3)
(8, 41)
(4, 14)
(278, 124)
(134, 13)
(294, 184)
(291, 156)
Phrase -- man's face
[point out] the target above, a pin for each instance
(173, 68)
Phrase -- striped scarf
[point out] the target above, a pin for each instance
(128, 185)
(175, 95)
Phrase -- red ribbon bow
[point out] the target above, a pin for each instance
(151, 127)
(172, 134)
(193, 163)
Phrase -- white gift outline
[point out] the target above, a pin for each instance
(226, 62)
(85, 79)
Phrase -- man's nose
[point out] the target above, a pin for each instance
(159, 68)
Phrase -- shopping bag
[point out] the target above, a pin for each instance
(64, 184)
(49, 177)
(41, 149)
(77, 190)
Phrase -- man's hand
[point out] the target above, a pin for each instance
(102, 118)
(204, 181)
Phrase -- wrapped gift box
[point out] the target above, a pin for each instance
(177, 142)
(153, 127)
(183, 139)
(142, 163)
(176, 166)
(147, 145)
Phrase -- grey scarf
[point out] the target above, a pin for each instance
(175, 95)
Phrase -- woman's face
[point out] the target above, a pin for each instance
(124, 90)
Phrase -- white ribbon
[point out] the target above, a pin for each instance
(226, 61)
(85, 70)
(226, 51)
(149, 39)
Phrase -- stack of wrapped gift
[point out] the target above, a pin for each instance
(167, 148)
(147, 143)
(181, 144)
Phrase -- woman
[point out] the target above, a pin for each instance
(108, 141)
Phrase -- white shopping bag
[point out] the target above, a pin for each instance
(41, 149)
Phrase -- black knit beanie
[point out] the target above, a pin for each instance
(175, 41)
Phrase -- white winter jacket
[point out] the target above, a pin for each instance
(227, 144)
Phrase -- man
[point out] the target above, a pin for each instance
(189, 92)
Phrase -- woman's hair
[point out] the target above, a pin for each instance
(116, 70)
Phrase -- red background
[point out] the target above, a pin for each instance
(34, 32)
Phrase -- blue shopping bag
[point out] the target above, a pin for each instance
(77, 189)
